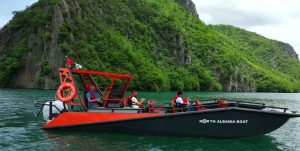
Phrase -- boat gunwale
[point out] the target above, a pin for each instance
(290, 115)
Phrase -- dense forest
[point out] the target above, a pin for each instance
(162, 43)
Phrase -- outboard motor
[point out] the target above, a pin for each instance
(57, 107)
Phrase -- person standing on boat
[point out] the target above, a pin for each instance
(133, 100)
(93, 96)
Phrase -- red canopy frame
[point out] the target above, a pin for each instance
(104, 74)
(86, 79)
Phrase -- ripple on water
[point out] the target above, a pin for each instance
(19, 130)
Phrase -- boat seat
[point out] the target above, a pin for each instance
(153, 106)
(199, 107)
(221, 103)
(117, 91)
(178, 107)
(114, 104)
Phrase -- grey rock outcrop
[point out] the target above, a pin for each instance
(189, 6)
(289, 50)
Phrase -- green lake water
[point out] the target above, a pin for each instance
(19, 130)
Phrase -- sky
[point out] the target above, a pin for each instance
(275, 19)
(8, 6)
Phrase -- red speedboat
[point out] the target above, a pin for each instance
(213, 118)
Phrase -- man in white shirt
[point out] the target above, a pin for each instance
(182, 103)
(133, 100)
(179, 99)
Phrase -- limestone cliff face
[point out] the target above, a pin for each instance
(42, 51)
(189, 6)
(164, 46)
(181, 51)
(237, 82)
(289, 50)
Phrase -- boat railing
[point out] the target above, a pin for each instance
(281, 108)
(261, 104)
(247, 102)
(211, 104)
(39, 106)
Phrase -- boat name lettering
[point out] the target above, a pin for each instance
(207, 121)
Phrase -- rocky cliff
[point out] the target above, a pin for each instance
(162, 43)
(189, 6)
(31, 38)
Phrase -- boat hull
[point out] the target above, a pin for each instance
(217, 123)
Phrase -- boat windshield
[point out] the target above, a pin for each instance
(113, 87)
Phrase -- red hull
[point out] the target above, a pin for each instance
(79, 118)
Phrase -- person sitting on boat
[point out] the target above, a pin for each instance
(179, 102)
(133, 100)
(93, 96)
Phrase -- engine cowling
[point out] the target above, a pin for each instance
(57, 108)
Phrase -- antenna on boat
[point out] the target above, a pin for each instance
(70, 62)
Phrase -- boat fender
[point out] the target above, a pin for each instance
(65, 87)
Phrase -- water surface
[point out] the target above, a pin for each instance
(19, 130)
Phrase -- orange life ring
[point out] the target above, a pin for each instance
(66, 87)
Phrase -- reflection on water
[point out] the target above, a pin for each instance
(19, 130)
(89, 141)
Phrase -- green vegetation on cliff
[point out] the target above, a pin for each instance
(275, 65)
(158, 41)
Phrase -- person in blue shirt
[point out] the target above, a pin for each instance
(93, 96)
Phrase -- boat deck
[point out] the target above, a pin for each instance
(208, 105)
(123, 110)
